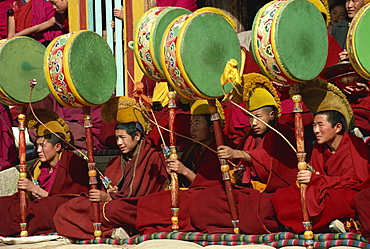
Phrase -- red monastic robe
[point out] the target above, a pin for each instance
(273, 163)
(8, 152)
(362, 207)
(154, 211)
(187, 4)
(361, 113)
(332, 188)
(140, 176)
(71, 180)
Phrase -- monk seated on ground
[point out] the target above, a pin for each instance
(339, 165)
(138, 171)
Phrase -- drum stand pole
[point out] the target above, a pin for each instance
(174, 178)
(22, 170)
(92, 171)
(302, 165)
(215, 118)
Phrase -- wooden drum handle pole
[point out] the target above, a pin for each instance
(92, 171)
(174, 177)
(302, 165)
(224, 166)
(22, 170)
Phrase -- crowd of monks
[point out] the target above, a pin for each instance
(264, 166)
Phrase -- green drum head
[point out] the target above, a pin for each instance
(163, 20)
(92, 67)
(362, 41)
(301, 39)
(208, 43)
(21, 60)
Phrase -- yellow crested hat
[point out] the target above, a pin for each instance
(50, 120)
(319, 95)
(160, 93)
(124, 110)
(323, 7)
(258, 92)
(199, 107)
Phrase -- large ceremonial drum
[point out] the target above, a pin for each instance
(196, 49)
(358, 40)
(290, 41)
(21, 60)
(80, 69)
(148, 36)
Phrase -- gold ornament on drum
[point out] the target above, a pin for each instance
(231, 73)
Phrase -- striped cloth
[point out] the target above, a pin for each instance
(324, 240)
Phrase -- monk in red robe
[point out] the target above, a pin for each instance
(57, 176)
(8, 152)
(198, 166)
(340, 165)
(265, 164)
(139, 171)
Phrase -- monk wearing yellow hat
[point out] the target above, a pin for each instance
(339, 165)
(56, 177)
(265, 164)
(138, 171)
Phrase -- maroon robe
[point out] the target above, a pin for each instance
(332, 188)
(274, 163)
(75, 218)
(361, 112)
(154, 211)
(8, 152)
(187, 4)
(71, 180)
(362, 207)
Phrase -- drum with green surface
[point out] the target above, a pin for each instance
(290, 41)
(196, 49)
(80, 69)
(21, 60)
(358, 39)
(148, 37)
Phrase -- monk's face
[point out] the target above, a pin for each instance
(337, 14)
(353, 6)
(125, 142)
(46, 151)
(258, 127)
(60, 6)
(199, 129)
(323, 130)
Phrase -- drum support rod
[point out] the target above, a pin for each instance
(302, 165)
(224, 166)
(22, 170)
(174, 178)
(92, 171)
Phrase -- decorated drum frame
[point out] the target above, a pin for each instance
(263, 31)
(351, 45)
(144, 42)
(171, 58)
(58, 74)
